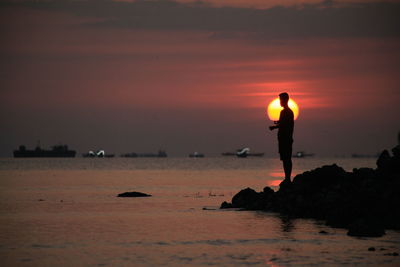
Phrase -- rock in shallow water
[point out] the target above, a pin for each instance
(133, 194)
(366, 229)
(226, 205)
(364, 201)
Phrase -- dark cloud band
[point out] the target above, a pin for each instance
(309, 20)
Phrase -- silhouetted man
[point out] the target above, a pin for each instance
(285, 127)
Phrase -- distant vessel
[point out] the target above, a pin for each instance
(364, 156)
(58, 151)
(302, 154)
(196, 155)
(243, 153)
(98, 154)
(160, 154)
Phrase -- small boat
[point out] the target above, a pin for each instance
(302, 154)
(98, 154)
(196, 155)
(243, 153)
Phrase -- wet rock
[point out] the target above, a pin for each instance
(387, 164)
(366, 228)
(364, 201)
(133, 194)
(268, 191)
(226, 205)
(248, 199)
(285, 185)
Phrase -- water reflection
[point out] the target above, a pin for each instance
(277, 176)
(287, 224)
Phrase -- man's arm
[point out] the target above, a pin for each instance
(276, 126)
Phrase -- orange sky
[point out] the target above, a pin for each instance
(66, 73)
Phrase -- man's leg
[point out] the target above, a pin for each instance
(287, 167)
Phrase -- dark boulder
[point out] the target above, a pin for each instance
(226, 205)
(248, 199)
(133, 194)
(364, 201)
(366, 228)
(388, 165)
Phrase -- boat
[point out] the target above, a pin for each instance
(243, 153)
(57, 151)
(302, 154)
(196, 155)
(160, 154)
(98, 154)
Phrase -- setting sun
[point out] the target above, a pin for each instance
(274, 109)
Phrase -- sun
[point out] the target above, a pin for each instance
(274, 109)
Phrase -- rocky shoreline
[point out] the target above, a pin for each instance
(365, 201)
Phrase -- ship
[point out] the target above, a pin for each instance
(243, 153)
(302, 154)
(58, 151)
(196, 155)
(160, 154)
(98, 154)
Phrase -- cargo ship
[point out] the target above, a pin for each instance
(58, 151)
(160, 154)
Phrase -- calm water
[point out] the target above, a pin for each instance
(65, 212)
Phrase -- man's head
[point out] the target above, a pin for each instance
(284, 98)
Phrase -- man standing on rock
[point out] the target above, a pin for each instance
(285, 127)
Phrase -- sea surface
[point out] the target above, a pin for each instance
(64, 212)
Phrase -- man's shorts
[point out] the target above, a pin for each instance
(285, 149)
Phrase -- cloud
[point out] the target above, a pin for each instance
(371, 19)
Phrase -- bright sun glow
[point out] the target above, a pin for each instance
(274, 109)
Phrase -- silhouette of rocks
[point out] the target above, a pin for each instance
(365, 228)
(365, 201)
(226, 205)
(133, 194)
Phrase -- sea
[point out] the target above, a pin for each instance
(65, 212)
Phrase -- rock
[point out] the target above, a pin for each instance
(268, 191)
(383, 160)
(387, 164)
(285, 185)
(366, 228)
(226, 205)
(133, 194)
(371, 249)
(364, 173)
(396, 151)
(364, 201)
(391, 254)
(323, 232)
(248, 199)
